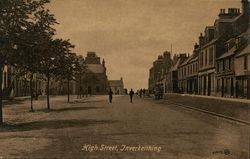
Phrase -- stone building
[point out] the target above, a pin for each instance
(242, 67)
(230, 65)
(95, 80)
(117, 86)
(183, 74)
(212, 44)
(160, 68)
(188, 73)
(7, 82)
(171, 85)
(14, 85)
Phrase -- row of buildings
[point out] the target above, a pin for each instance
(94, 81)
(219, 64)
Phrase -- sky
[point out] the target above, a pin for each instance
(130, 34)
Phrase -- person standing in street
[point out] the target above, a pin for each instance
(131, 94)
(110, 95)
(140, 93)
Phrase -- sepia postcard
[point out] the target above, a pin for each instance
(124, 79)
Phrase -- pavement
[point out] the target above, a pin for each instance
(234, 108)
(92, 128)
(238, 100)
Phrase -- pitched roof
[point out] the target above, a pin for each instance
(96, 68)
(191, 59)
(115, 83)
(175, 67)
(245, 51)
(230, 52)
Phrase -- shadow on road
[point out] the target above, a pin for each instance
(51, 124)
(15, 101)
(68, 109)
(87, 101)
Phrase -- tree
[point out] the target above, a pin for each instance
(15, 18)
(54, 51)
(28, 45)
(67, 67)
(80, 72)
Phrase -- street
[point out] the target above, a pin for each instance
(63, 132)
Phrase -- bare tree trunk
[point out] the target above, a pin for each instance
(47, 91)
(31, 93)
(1, 95)
(68, 90)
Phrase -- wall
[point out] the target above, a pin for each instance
(239, 65)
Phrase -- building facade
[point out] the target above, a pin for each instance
(219, 65)
(157, 73)
(95, 81)
(117, 86)
(172, 76)
(242, 67)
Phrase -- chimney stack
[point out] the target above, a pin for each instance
(245, 6)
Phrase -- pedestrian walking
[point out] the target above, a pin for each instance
(131, 94)
(110, 95)
(144, 92)
(140, 93)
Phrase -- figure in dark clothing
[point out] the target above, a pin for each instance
(110, 96)
(144, 92)
(140, 93)
(131, 94)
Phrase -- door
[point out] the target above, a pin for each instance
(209, 85)
(89, 90)
(205, 85)
(237, 89)
(248, 88)
(232, 87)
(222, 87)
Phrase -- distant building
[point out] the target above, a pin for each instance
(171, 83)
(188, 73)
(156, 73)
(14, 85)
(117, 86)
(95, 81)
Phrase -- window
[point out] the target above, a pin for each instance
(218, 67)
(218, 85)
(223, 65)
(201, 59)
(229, 63)
(206, 58)
(245, 62)
(211, 55)
(5, 80)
